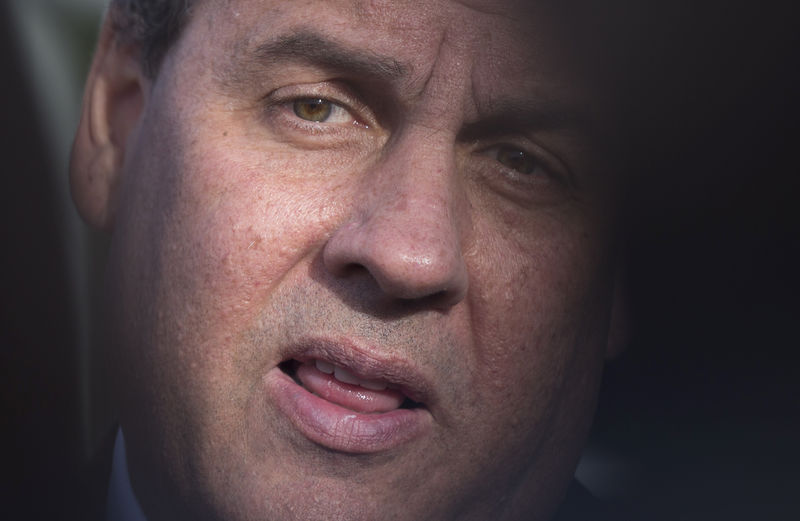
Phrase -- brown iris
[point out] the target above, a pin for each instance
(516, 159)
(313, 109)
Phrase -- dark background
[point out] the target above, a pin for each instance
(705, 404)
(703, 408)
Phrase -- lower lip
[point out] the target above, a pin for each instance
(341, 429)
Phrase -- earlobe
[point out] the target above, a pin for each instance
(112, 105)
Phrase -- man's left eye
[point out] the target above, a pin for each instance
(516, 159)
(319, 110)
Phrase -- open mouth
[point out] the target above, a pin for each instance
(351, 398)
(342, 387)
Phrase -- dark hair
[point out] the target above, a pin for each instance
(153, 25)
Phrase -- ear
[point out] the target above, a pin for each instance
(619, 329)
(112, 105)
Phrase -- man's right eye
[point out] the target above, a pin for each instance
(312, 109)
(319, 110)
(318, 115)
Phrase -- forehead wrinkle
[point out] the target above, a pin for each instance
(306, 44)
(425, 79)
(528, 113)
(443, 91)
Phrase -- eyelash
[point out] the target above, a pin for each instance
(280, 104)
(546, 167)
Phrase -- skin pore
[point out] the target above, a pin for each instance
(408, 190)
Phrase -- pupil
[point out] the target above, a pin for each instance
(312, 109)
(516, 159)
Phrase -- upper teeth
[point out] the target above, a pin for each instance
(345, 376)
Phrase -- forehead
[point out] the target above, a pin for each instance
(496, 49)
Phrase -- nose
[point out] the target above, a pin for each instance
(403, 230)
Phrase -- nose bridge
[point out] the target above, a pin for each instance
(415, 184)
(405, 228)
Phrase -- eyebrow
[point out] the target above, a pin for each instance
(310, 47)
(307, 46)
(510, 116)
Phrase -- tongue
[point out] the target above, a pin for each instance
(354, 397)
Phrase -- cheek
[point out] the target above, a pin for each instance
(540, 308)
(203, 238)
(239, 229)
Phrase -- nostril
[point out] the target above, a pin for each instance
(441, 300)
(343, 253)
(410, 249)
(349, 270)
(401, 268)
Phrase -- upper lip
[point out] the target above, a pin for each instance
(367, 362)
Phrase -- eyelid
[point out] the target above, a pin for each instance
(551, 163)
(331, 91)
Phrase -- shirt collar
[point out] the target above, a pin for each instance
(122, 504)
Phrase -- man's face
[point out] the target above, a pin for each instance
(399, 192)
